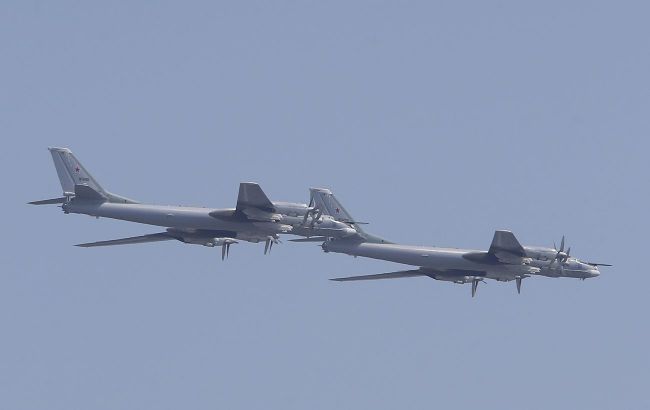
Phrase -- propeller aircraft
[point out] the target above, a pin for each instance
(257, 219)
(506, 259)
(254, 219)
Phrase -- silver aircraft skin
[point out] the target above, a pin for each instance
(506, 259)
(254, 219)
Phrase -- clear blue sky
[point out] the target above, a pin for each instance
(436, 122)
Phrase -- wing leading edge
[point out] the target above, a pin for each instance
(391, 275)
(154, 237)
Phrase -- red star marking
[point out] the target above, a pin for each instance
(337, 210)
(77, 169)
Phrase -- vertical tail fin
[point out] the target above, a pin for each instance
(326, 202)
(74, 176)
(71, 172)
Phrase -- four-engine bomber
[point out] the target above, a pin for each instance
(257, 219)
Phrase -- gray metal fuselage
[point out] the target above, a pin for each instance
(212, 222)
(451, 263)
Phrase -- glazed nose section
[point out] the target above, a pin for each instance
(594, 272)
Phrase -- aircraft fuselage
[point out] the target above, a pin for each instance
(224, 221)
(457, 260)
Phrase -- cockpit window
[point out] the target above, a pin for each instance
(574, 263)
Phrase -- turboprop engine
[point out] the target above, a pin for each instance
(211, 243)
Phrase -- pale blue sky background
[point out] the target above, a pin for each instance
(438, 122)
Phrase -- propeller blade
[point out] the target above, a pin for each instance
(316, 217)
(266, 246)
(228, 250)
(474, 286)
(518, 280)
(556, 258)
(562, 244)
(223, 251)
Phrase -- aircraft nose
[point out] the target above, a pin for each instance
(594, 272)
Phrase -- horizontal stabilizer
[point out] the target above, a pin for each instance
(251, 195)
(391, 275)
(311, 239)
(505, 241)
(155, 237)
(48, 201)
(86, 192)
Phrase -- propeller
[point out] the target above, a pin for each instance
(270, 240)
(304, 219)
(316, 217)
(518, 281)
(475, 282)
(560, 256)
(225, 248)
(312, 211)
(315, 213)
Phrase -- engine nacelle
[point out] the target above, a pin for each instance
(457, 279)
(290, 209)
(209, 242)
(222, 241)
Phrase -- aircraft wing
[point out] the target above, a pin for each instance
(390, 275)
(155, 237)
